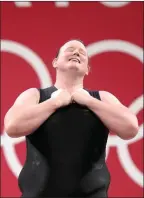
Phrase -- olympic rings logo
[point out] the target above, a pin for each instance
(8, 144)
(66, 4)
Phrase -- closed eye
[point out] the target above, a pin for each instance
(70, 49)
(82, 52)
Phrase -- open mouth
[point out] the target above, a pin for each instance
(74, 59)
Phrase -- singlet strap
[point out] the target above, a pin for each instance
(42, 95)
(45, 94)
(95, 94)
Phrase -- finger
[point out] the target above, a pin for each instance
(73, 93)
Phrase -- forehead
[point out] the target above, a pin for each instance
(74, 43)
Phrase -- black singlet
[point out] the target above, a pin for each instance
(66, 155)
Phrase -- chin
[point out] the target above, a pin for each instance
(73, 66)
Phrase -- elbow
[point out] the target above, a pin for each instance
(130, 132)
(133, 131)
(10, 130)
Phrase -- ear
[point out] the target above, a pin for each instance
(88, 70)
(54, 62)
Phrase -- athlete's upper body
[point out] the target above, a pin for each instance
(66, 128)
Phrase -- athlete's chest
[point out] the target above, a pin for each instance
(71, 124)
(73, 116)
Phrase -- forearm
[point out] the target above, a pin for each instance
(116, 118)
(26, 120)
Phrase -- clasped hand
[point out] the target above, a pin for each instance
(64, 98)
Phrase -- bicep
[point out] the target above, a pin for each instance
(109, 98)
(25, 99)
(28, 97)
(112, 100)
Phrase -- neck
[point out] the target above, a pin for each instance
(68, 81)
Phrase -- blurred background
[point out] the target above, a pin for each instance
(31, 34)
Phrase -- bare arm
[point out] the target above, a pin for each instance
(115, 115)
(27, 114)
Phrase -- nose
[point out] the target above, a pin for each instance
(76, 53)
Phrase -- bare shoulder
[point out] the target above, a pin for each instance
(109, 97)
(30, 95)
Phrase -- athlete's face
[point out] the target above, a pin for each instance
(72, 56)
